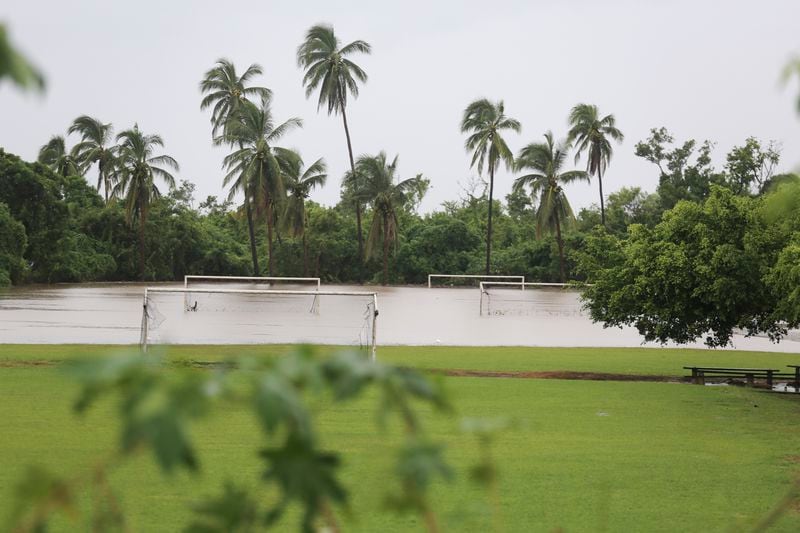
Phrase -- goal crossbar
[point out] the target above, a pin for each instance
(174, 290)
(189, 277)
(520, 279)
(521, 284)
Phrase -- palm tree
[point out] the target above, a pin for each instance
(96, 147)
(255, 168)
(136, 172)
(54, 155)
(790, 71)
(299, 184)
(16, 67)
(226, 93)
(328, 70)
(485, 121)
(386, 196)
(546, 160)
(591, 135)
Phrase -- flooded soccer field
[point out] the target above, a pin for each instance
(111, 313)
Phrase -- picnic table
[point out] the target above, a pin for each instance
(750, 375)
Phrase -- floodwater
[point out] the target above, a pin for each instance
(111, 313)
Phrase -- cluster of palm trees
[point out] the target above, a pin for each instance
(273, 180)
(127, 166)
(541, 164)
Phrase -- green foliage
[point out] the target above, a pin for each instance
(12, 246)
(792, 71)
(545, 176)
(15, 66)
(698, 273)
(540, 486)
(683, 176)
(437, 244)
(484, 122)
(328, 68)
(155, 411)
(234, 510)
(591, 133)
(750, 167)
(628, 205)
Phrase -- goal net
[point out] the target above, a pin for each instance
(467, 280)
(249, 283)
(545, 300)
(241, 316)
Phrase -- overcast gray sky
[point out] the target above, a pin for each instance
(704, 69)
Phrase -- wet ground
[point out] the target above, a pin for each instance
(112, 313)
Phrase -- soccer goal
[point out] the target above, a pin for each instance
(250, 283)
(504, 298)
(474, 278)
(257, 316)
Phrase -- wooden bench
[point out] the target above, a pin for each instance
(700, 373)
(796, 383)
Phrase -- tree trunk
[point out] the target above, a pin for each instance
(103, 178)
(305, 255)
(251, 230)
(271, 258)
(385, 250)
(489, 227)
(358, 205)
(560, 250)
(141, 244)
(602, 202)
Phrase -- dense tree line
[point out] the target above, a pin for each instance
(696, 257)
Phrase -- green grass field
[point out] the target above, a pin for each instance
(583, 456)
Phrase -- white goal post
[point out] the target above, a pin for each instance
(517, 279)
(249, 303)
(313, 283)
(485, 285)
(251, 279)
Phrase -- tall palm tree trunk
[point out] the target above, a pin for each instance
(560, 250)
(489, 226)
(602, 202)
(251, 230)
(271, 259)
(358, 205)
(305, 255)
(103, 179)
(385, 250)
(141, 245)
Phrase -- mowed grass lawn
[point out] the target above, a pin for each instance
(583, 455)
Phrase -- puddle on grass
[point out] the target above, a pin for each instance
(784, 387)
(777, 387)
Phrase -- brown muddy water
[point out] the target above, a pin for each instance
(112, 314)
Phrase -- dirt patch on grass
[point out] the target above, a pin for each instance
(11, 363)
(556, 374)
